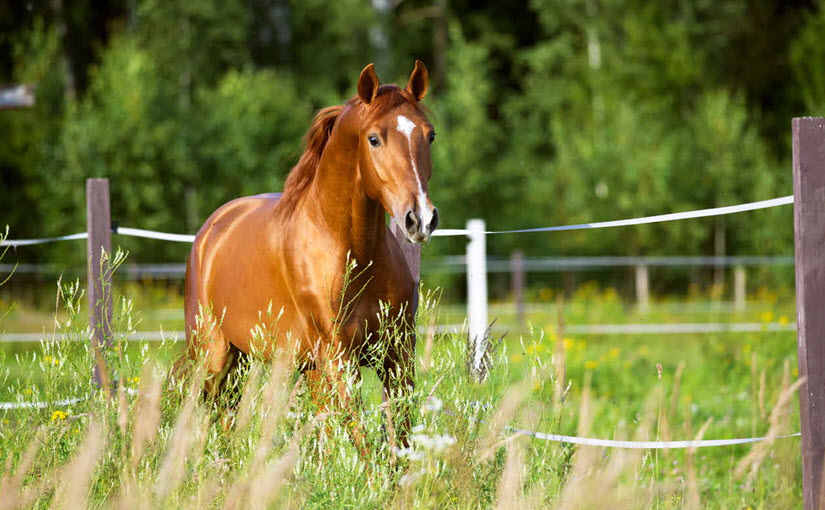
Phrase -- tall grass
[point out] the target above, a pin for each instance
(159, 444)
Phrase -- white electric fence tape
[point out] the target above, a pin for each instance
(588, 441)
(701, 213)
(39, 405)
(151, 234)
(639, 445)
(28, 242)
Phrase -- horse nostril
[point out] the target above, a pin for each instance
(434, 221)
(410, 221)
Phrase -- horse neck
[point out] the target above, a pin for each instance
(338, 198)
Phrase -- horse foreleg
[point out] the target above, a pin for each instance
(333, 386)
(398, 378)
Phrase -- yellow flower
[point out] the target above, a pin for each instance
(59, 415)
(613, 353)
(568, 343)
(515, 358)
(783, 320)
(591, 364)
(133, 380)
(766, 316)
(545, 294)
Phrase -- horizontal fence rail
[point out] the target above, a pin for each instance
(699, 213)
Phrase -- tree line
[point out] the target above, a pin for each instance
(548, 111)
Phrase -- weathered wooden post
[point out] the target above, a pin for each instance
(477, 297)
(99, 276)
(517, 280)
(739, 288)
(642, 287)
(809, 243)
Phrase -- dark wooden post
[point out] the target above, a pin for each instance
(517, 275)
(99, 277)
(809, 241)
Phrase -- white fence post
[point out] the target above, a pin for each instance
(477, 295)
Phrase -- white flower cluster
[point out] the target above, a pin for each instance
(411, 477)
(433, 404)
(424, 443)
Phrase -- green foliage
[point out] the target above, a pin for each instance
(564, 112)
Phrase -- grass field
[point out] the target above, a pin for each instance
(163, 450)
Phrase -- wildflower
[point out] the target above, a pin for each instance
(766, 317)
(783, 320)
(568, 343)
(613, 353)
(516, 358)
(433, 404)
(410, 478)
(659, 370)
(591, 364)
(134, 380)
(436, 443)
(59, 415)
(410, 453)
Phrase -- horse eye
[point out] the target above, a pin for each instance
(432, 137)
(374, 141)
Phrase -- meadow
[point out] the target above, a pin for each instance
(157, 444)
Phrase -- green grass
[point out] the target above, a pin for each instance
(732, 381)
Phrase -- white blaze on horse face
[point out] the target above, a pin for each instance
(405, 127)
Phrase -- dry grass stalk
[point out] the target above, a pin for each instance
(147, 414)
(180, 443)
(514, 397)
(559, 355)
(677, 387)
(12, 481)
(246, 407)
(778, 422)
(692, 499)
(761, 398)
(426, 361)
(77, 475)
(589, 485)
(509, 493)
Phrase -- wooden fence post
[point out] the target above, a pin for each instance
(99, 276)
(517, 279)
(809, 243)
(477, 297)
(642, 287)
(739, 288)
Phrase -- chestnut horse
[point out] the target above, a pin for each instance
(286, 259)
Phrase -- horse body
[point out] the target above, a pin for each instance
(269, 274)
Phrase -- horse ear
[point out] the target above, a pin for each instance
(368, 84)
(419, 81)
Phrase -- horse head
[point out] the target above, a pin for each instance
(394, 151)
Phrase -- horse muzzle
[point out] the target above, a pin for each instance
(420, 224)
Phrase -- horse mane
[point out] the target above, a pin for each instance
(302, 174)
(300, 177)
